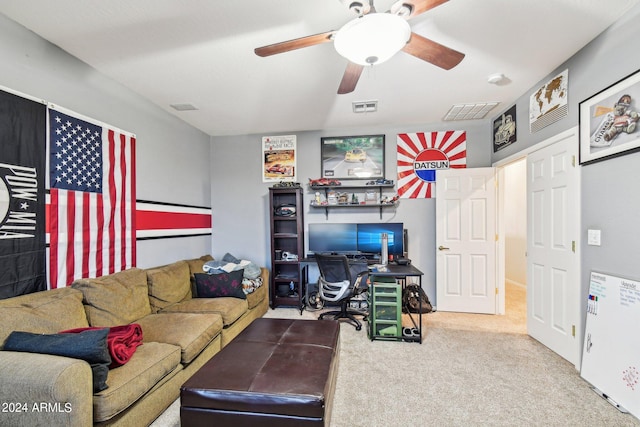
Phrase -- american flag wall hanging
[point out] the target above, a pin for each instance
(92, 208)
(421, 154)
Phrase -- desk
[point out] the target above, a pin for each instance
(399, 272)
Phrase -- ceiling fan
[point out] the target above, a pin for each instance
(373, 37)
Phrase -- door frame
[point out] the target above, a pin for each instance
(500, 256)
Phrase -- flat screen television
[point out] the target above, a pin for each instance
(333, 237)
(369, 238)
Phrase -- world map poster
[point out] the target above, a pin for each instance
(548, 104)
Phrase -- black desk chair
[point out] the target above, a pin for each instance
(338, 283)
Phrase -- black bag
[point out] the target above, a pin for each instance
(411, 296)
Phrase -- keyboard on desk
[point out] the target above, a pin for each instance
(356, 259)
(362, 260)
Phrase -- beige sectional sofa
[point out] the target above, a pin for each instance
(180, 333)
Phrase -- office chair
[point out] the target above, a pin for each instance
(339, 282)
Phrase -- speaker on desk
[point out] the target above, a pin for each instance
(403, 260)
(405, 243)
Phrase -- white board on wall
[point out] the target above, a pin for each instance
(611, 351)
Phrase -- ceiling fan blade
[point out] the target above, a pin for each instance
(350, 78)
(432, 52)
(410, 8)
(294, 44)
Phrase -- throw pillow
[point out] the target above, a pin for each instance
(250, 285)
(220, 285)
(90, 346)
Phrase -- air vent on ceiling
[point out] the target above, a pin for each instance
(365, 106)
(184, 107)
(469, 111)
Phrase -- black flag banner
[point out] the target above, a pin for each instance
(22, 195)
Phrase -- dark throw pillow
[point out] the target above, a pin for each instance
(220, 285)
(90, 346)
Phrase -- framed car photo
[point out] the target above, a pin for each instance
(352, 157)
(278, 158)
(609, 121)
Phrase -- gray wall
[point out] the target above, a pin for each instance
(240, 198)
(176, 164)
(610, 199)
(611, 188)
(172, 157)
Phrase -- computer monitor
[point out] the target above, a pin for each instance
(333, 238)
(370, 242)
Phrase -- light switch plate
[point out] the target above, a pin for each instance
(593, 237)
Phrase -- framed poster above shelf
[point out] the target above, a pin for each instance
(352, 157)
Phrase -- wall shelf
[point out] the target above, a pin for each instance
(378, 188)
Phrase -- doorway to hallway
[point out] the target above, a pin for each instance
(514, 211)
(552, 219)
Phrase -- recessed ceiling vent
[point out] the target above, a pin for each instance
(365, 106)
(184, 107)
(469, 111)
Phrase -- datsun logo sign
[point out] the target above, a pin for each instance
(428, 161)
(421, 154)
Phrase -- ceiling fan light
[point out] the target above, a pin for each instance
(373, 38)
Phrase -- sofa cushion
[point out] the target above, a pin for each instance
(117, 299)
(196, 265)
(46, 312)
(151, 363)
(231, 309)
(89, 345)
(168, 285)
(220, 285)
(191, 332)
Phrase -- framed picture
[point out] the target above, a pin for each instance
(549, 103)
(609, 121)
(278, 158)
(504, 129)
(353, 157)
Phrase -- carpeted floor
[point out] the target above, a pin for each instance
(470, 370)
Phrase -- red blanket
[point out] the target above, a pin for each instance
(121, 340)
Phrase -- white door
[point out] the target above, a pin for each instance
(553, 286)
(466, 240)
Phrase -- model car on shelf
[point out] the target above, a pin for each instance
(326, 182)
(380, 182)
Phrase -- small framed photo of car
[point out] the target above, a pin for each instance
(353, 157)
(504, 129)
(609, 121)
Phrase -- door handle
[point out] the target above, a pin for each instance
(442, 248)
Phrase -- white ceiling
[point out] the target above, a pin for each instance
(200, 52)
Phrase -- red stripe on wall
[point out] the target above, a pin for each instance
(152, 220)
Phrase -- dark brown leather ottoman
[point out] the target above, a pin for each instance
(277, 372)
